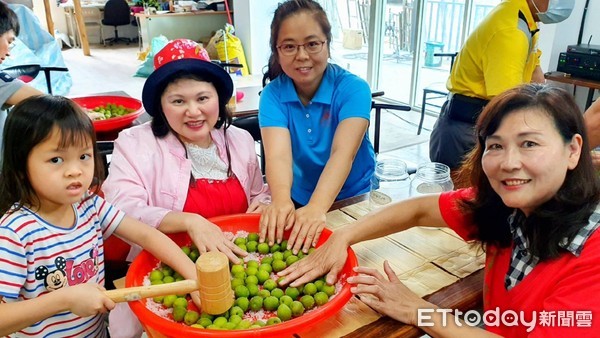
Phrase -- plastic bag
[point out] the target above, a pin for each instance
(211, 46)
(35, 45)
(147, 67)
(230, 50)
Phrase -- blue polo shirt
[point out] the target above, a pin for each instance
(341, 95)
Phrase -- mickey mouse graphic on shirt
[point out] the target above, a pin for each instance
(67, 273)
(53, 280)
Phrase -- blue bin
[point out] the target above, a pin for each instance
(432, 47)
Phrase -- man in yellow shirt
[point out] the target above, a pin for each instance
(499, 54)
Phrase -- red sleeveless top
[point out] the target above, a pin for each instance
(210, 198)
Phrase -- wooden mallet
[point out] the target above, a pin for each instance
(214, 285)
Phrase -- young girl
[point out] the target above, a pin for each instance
(51, 236)
(533, 203)
(314, 118)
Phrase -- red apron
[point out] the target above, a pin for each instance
(210, 198)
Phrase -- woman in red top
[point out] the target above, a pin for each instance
(533, 204)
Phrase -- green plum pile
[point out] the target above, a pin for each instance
(110, 110)
(260, 300)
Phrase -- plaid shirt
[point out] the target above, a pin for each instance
(523, 262)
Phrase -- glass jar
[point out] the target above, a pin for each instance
(430, 178)
(389, 183)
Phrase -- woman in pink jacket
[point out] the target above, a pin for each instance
(188, 163)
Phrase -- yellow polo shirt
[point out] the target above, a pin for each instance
(497, 55)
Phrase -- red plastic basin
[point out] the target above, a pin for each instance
(114, 123)
(157, 326)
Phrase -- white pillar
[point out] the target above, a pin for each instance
(252, 25)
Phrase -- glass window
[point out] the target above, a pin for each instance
(350, 21)
(481, 8)
(397, 53)
(442, 31)
(412, 32)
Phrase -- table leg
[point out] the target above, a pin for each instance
(377, 129)
(72, 31)
(139, 29)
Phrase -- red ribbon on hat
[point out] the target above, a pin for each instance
(180, 49)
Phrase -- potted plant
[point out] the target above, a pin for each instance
(148, 4)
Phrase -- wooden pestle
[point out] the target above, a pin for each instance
(212, 269)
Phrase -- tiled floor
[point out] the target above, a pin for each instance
(399, 136)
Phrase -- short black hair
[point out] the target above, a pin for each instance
(8, 19)
(29, 123)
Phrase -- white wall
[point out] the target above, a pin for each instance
(60, 23)
(58, 15)
(252, 22)
(555, 38)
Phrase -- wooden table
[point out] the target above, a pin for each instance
(249, 104)
(434, 263)
(576, 81)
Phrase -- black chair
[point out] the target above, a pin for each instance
(105, 148)
(116, 13)
(30, 72)
(250, 124)
(138, 38)
(435, 91)
(378, 106)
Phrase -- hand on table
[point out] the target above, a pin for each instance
(275, 219)
(327, 259)
(307, 228)
(387, 296)
(209, 237)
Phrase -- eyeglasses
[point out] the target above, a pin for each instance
(311, 47)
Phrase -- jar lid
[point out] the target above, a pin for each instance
(391, 169)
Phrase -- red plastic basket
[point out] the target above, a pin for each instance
(157, 326)
(115, 123)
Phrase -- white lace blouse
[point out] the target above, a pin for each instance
(206, 162)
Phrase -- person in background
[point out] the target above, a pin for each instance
(592, 123)
(53, 228)
(188, 164)
(533, 203)
(314, 118)
(12, 91)
(499, 54)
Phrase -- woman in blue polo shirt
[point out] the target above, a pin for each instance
(314, 118)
